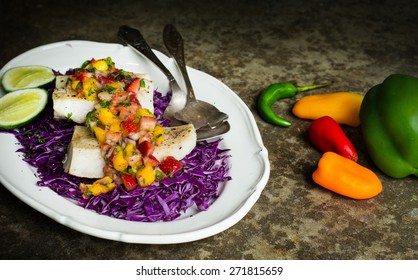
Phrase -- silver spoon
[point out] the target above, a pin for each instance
(200, 113)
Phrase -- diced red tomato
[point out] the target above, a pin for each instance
(129, 181)
(146, 148)
(170, 165)
(147, 123)
(134, 86)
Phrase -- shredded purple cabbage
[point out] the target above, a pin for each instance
(205, 171)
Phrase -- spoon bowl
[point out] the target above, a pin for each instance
(206, 133)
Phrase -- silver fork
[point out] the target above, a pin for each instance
(202, 114)
(133, 38)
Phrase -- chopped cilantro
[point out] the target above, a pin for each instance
(85, 64)
(68, 117)
(91, 116)
(123, 75)
(109, 62)
(159, 175)
(109, 88)
(105, 104)
(41, 140)
(124, 103)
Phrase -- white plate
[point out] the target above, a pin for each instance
(250, 166)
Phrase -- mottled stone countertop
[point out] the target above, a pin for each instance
(247, 45)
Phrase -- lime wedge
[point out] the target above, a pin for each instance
(27, 77)
(20, 107)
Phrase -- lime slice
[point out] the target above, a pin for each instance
(27, 77)
(20, 107)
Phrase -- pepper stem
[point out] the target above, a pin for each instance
(310, 87)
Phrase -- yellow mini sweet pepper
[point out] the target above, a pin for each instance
(344, 107)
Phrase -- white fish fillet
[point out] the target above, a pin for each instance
(67, 105)
(84, 158)
(178, 142)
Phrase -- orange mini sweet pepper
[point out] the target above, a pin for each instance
(346, 177)
(344, 107)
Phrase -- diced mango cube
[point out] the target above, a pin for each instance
(75, 84)
(119, 161)
(158, 134)
(90, 87)
(106, 117)
(115, 127)
(100, 186)
(100, 65)
(100, 134)
(146, 175)
(144, 112)
(129, 149)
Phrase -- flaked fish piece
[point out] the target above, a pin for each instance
(84, 158)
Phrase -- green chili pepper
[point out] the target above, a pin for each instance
(278, 91)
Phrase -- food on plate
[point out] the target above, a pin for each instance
(95, 81)
(389, 125)
(344, 107)
(23, 77)
(328, 136)
(277, 91)
(346, 177)
(194, 182)
(122, 139)
(20, 107)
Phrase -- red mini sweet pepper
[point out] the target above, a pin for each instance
(328, 136)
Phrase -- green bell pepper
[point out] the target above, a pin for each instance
(389, 124)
